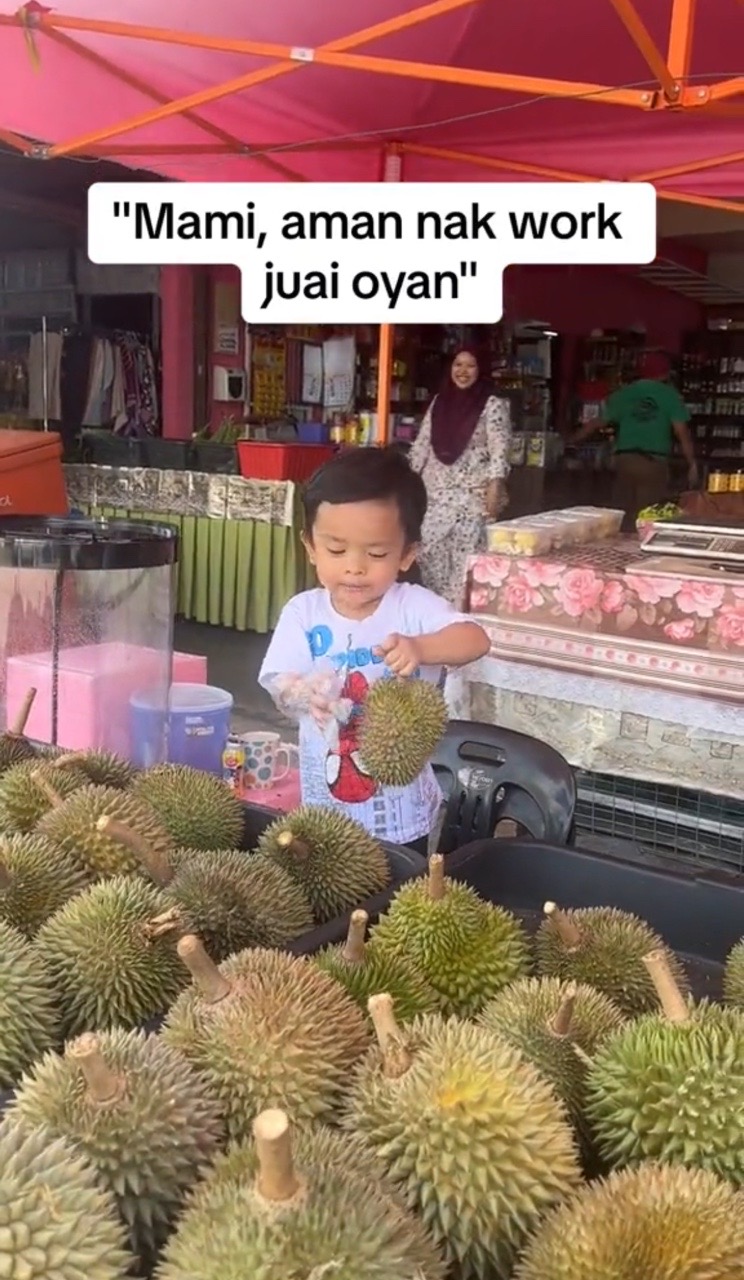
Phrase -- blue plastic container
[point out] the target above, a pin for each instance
(196, 726)
(313, 432)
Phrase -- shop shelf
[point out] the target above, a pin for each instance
(701, 916)
(260, 460)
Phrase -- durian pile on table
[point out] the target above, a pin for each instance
(439, 1096)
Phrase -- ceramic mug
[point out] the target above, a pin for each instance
(264, 753)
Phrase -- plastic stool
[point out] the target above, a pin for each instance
(488, 774)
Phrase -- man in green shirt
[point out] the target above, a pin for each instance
(648, 414)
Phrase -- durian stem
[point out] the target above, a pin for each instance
(396, 1058)
(276, 1180)
(168, 922)
(70, 758)
(670, 997)
(156, 864)
(104, 1085)
(54, 798)
(560, 1024)
(18, 726)
(353, 951)
(567, 931)
(436, 877)
(213, 986)
(6, 878)
(288, 840)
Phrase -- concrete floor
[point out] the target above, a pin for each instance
(233, 662)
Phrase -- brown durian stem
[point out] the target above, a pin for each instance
(670, 997)
(567, 931)
(436, 877)
(70, 758)
(353, 951)
(277, 1181)
(104, 1085)
(46, 788)
(156, 864)
(168, 921)
(560, 1024)
(213, 986)
(288, 840)
(6, 878)
(396, 1058)
(18, 726)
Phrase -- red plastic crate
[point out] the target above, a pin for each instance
(262, 461)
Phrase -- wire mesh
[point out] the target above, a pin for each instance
(663, 823)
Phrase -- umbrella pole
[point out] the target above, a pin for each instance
(392, 171)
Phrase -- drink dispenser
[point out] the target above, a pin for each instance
(86, 619)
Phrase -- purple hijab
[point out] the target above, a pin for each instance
(456, 411)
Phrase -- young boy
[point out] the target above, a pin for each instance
(363, 516)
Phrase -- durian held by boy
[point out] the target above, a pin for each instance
(363, 513)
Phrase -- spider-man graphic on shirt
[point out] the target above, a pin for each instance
(346, 776)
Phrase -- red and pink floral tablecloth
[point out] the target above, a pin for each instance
(596, 608)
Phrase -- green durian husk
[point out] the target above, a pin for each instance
(733, 978)
(24, 802)
(73, 826)
(402, 724)
(29, 1017)
(198, 810)
(36, 879)
(364, 970)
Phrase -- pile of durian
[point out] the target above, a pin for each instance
(438, 1096)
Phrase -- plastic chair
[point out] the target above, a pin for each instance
(488, 774)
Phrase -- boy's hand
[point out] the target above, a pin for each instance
(401, 654)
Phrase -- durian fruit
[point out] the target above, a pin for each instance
(650, 1223)
(14, 747)
(36, 879)
(29, 1023)
(548, 1021)
(56, 1221)
(109, 965)
(29, 790)
(477, 1141)
(733, 978)
(199, 810)
(365, 969)
(236, 900)
(102, 768)
(295, 1212)
(604, 948)
(465, 948)
(335, 861)
(670, 1086)
(402, 724)
(266, 1028)
(110, 832)
(139, 1113)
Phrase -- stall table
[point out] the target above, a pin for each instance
(241, 557)
(625, 664)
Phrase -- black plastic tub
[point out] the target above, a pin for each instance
(216, 459)
(701, 916)
(107, 449)
(405, 864)
(166, 455)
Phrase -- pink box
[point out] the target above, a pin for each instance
(95, 685)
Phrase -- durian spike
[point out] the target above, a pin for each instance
(212, 985)
(288, 840)
(396, 1058)
(156, 865)
(353, 951)
(54, 798)
(671, 999)
(6, 878)
(568, 933)
(560, 1024)
(276, 1180)
(18, 727)
(436, 877)
(582, 1055)
(104, 1085)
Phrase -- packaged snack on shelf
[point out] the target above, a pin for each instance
(522, 537)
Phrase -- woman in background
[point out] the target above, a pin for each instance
(462, 455)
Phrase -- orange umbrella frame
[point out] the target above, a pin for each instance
(669, 69)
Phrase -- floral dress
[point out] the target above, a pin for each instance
(454, 527)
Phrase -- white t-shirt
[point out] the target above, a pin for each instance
(311, 635)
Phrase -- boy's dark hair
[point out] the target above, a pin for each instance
(369, 475)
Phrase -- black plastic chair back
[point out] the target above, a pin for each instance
(489, 774)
